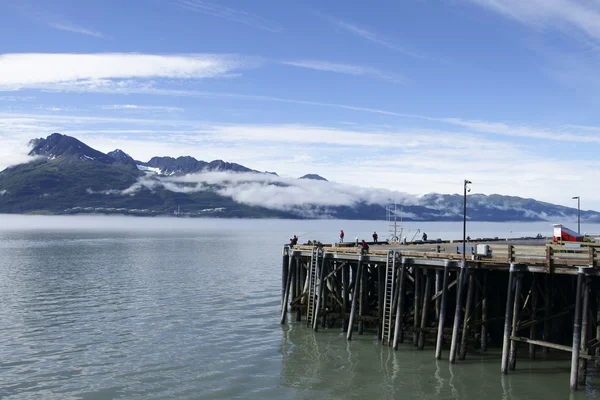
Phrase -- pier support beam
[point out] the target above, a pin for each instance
(286, 291)
(576, 332)
(380, 296)
(507, 319)
(363, 298)
(417, 304)
(512, 361)
(533, 315)
(484, 311)
(299, 284)
(345, 295)
(320, 294)
(357, 280)
(585, 312)
(597, 325)
(400, 303)
(285, 260)
(438, 287)
(442, 316)
(458, 311)
(547, 310)
(425, 311)
(465, 331)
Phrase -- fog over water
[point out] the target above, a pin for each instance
(101, 307)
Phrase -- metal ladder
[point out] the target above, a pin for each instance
(387, 324)
(312, 285)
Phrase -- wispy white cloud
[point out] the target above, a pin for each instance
(108, 70)
(136, 107)
(76, 29)
(370, 36)
(347, 69)
(51, 19)
(230, 14)
(579, 15)
(16, 98)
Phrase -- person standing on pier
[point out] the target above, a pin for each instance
(424, 237)
(342, 236)
(364, 247)
(375, 236)
(294, 241)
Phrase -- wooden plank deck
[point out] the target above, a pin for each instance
(550, 258)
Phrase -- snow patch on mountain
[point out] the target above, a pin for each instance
(151, 170)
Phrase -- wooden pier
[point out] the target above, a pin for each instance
(540, 295)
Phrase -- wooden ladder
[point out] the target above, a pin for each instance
(387, 323)
(312, 285)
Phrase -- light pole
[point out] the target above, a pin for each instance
(467, 182)
(461, 283)
(578, 213)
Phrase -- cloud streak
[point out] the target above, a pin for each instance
(230, 14)
(108, 70)
(348, 69)
(76, 29)
(579, 16)
(371, 36)
(135, 107)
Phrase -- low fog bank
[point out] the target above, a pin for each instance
(261, 230)
(278, 193)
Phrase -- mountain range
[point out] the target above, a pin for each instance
(66, 176)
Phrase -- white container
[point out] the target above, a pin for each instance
(483, 250)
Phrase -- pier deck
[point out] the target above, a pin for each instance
(538, 293)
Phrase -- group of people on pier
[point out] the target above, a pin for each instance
(364, 245)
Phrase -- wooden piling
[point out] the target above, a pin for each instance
(425, 311)
(508, 318)
(574, 382)
(293, 291)
(533, 315)
(380, 296)
(597, 326)
(547, 310)
(442, 316)
(417, 304)
(345, 295)
(512, 361)
(285, 261)
(362, 299)
(438, 287)
(299, 283)
(288, 275)
(320, 294)
(484, 312)
(400, 303)
(354, 298)
(585, 312)
(465, 331)
(457, 312)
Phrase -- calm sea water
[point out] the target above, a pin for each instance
(116, 307)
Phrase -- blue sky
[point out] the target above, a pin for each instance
(412, 96)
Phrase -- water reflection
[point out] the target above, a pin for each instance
(325, 364)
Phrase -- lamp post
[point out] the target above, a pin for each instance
(467, 182)
(578, 213)
(461, 283)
